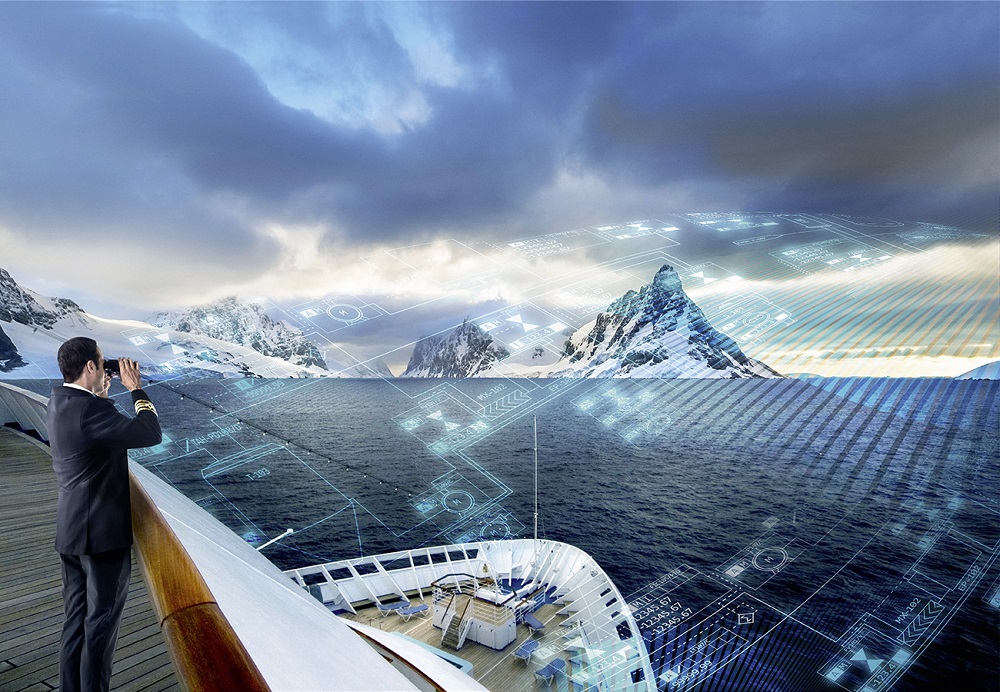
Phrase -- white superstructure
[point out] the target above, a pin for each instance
(504, 581)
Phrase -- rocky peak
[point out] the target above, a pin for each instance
(657, 331)
(666, 280)
(22, 306)
(464, 352)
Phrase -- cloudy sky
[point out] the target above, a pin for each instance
(155, 155)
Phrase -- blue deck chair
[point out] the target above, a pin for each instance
(392, 607)
(533, 623)
(525, 650)
(549, 671)
(407, 613)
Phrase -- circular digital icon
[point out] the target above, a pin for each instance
(770, 559)
(344, 313)
(495, 531)
(458, 501)
(756, 318)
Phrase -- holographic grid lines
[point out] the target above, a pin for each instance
(837, 443)
(871, 473)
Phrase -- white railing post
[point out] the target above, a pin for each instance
(24, 408)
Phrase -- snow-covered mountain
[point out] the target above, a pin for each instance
(28, 308)
(466, 351)
(376, 367)
(36, 325)
(990, 371)
(245, 324)
(657, 331)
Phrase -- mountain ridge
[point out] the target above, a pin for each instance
(23, 306)
(656, 331)
(35, 326)
(643, 330)
(465, 351)
(246, 324)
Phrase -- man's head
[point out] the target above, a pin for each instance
(74, 356)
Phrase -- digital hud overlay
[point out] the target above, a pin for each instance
(865, 548)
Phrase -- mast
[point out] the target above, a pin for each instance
(536, 477)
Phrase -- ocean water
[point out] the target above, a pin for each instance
(770, 535)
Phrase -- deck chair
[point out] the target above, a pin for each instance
(527, 589)
(525, 650)
(549, 671)
(391, 607)
(533, 623)
(407, 613)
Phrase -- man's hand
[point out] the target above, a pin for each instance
(105, 386)
(130, 374)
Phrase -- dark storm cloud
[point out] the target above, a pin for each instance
(823, 106)
(119, 117)
(935, 152)
(477, 162)
(549, 52)
(169, 107)
(878, 142)
(160, 88)
(82, 152)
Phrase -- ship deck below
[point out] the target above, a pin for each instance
(496, 670)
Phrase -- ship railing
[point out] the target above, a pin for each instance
(467, 620)
(492, 614)
(450, 586)
(484, 610)
(359, 581)
(608, 638)
(448, 616)
(206, 652)
(475, 586)
(23, 409)
(608, 654)
(460, 581)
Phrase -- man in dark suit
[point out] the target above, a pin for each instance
(89, 439)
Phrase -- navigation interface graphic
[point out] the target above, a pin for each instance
(785, 533)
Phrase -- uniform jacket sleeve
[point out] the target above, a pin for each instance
(102, 422)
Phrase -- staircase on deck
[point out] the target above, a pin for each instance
(451, 637)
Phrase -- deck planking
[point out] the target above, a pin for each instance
(496, 670)
(31, 586)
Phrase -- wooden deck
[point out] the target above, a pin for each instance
(31, 586)
(496, 670)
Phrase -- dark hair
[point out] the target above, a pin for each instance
(74, 356)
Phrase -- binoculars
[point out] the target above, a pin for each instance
(112, 367)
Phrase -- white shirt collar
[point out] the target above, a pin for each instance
(76, 386)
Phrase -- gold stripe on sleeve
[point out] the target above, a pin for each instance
(144, 405)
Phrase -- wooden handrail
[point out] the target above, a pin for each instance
(206, 652)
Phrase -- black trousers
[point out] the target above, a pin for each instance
(94, 591)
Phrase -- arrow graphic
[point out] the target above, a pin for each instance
(507, 403)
